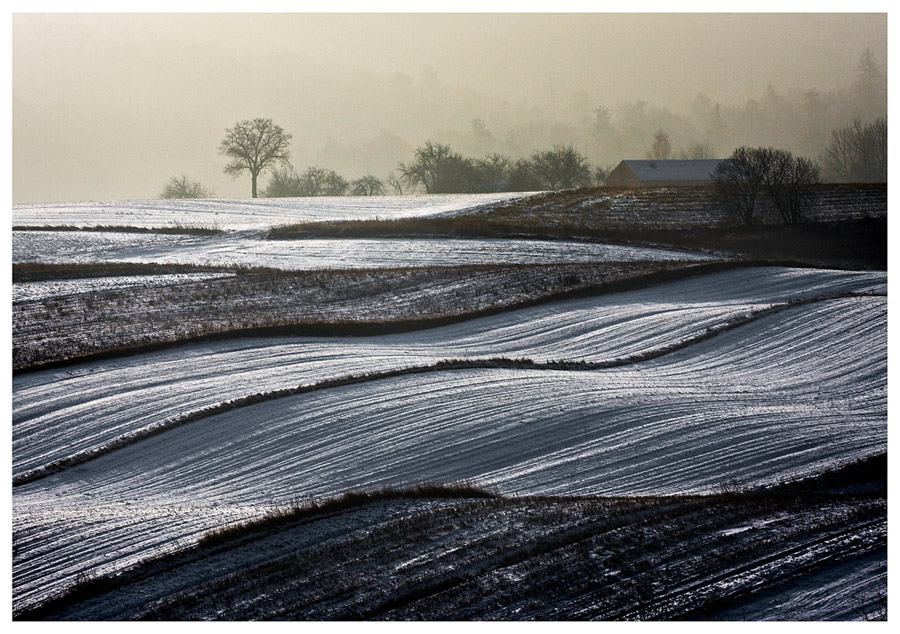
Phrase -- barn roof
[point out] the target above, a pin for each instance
(672, 169)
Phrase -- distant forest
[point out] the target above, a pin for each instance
(481, 144)
(801, 122)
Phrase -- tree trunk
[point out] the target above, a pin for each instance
(253, 181)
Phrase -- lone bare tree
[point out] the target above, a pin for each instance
(254, 146)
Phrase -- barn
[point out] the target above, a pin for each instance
(649, 173)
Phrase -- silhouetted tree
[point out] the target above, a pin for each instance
(522, 177)
(318, 181)
(396, 183)
(563, 167)
(788, 181)
(255, 145)
(438, 169)
(368, 185)
(335, 184)
(315, 181)
(661, 148)
(181, 187)
(749, 172)
(858, 153)
(797, 196)
(739, 180)
(492, 173)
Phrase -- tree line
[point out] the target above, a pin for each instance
(752, 173)
(856, 153)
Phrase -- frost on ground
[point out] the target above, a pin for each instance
(61, 412)
(720, 382)
(242, 215)
(96, 319)
(671, 207)
(762, 556)
(232, 249)
(48, 289)
(785, 395)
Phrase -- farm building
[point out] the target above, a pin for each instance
(646, 173)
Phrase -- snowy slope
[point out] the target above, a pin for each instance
(242, 249)
(57, 413)
(260, 213)
(789, 393)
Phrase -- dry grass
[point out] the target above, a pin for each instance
(847, 226)
(485, 556)
(172, 229)
(298, 511)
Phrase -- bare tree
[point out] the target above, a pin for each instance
(789, 182)
(739, 180)
(661, 148)
(798, 194)
(396, 184)
(697, 151)
(749, 172)
(283, 184)
(255, 146)
(563, 167)
(368, 185)
(181, 187)
(314, 181)
(438, 169)
(335, 184)
(858, 153)
(493, 172)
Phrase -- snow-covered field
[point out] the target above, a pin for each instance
(61, 412)
(45, 289)
(792, 392)
(242, 249)
(245, 222)
(253, 214)
(742, 378)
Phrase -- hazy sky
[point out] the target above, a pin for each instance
(110, 106)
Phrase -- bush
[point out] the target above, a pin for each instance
(180, 187)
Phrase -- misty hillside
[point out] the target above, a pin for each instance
(360, 92)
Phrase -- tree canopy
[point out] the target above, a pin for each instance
(255, 145)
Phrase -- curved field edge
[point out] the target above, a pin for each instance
(136, 436)
(568, 286)
(274, 451)
(635, 558)
(596, 212)
(846, 226)
(23, 272)
(174, 229)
